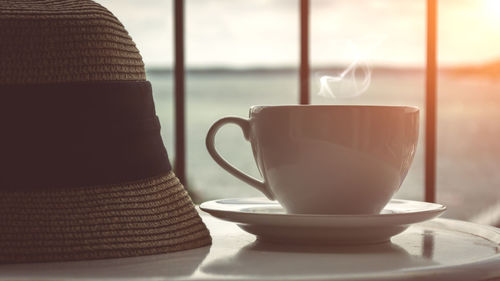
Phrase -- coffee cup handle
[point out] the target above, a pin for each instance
(245, 127)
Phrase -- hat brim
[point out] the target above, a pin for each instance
(150, 216)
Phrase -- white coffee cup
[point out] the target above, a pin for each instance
(327, 159)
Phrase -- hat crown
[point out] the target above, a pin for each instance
(46, 41)
(84, 173)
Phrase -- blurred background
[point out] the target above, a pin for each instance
(241, 53)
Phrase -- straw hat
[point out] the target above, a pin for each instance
(83, 170)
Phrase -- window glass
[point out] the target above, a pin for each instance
(239, 53)
(468, 163)
(374, 53)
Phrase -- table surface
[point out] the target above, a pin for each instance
(440, 249)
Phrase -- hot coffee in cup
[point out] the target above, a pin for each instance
(327, 159)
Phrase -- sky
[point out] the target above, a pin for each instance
(265, 33)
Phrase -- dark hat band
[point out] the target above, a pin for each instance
(78, 134)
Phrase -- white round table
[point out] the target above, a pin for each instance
(440, 249)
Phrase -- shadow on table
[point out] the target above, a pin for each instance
(262, 258)
(176, 264)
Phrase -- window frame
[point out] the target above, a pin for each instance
(304, 89)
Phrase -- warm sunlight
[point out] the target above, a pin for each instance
(492, 10)
(232, 140)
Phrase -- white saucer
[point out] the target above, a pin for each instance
(269, 222)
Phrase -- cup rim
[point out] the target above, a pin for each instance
(405, 108)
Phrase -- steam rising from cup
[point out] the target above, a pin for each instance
(352, 82)
(356, 78)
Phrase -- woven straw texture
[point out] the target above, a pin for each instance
(147, 217)
(44, 41)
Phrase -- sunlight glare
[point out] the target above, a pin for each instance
(492, 9)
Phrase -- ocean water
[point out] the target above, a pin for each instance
(468, 148)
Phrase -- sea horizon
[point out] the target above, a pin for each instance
(491, 69)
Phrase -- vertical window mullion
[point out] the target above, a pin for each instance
(304, 52)
(179, 92)
(431, 103)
